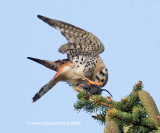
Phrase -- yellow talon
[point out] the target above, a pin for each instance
(91, 82)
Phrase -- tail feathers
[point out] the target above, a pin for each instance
(107, 91)
(53, 65)
(38, 95)
(57, 77)
(43, 90)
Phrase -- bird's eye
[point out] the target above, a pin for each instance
(102, 80)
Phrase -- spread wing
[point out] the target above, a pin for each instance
(80, 42)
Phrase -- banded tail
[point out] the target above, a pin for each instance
(43, 90)
(57, 77)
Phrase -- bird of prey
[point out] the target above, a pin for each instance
(83, 62)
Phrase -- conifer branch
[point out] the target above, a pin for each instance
(135, 113)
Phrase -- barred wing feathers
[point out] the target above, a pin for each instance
(80, 42)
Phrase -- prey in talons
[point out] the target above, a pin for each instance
(93, 89)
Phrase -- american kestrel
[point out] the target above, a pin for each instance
(83, 62)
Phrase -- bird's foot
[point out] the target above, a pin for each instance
(90, 82)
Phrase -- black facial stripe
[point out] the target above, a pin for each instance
(102, 73)
(97, 78)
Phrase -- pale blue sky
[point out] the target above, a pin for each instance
(129, 30)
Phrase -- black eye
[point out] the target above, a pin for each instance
(102, 80)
